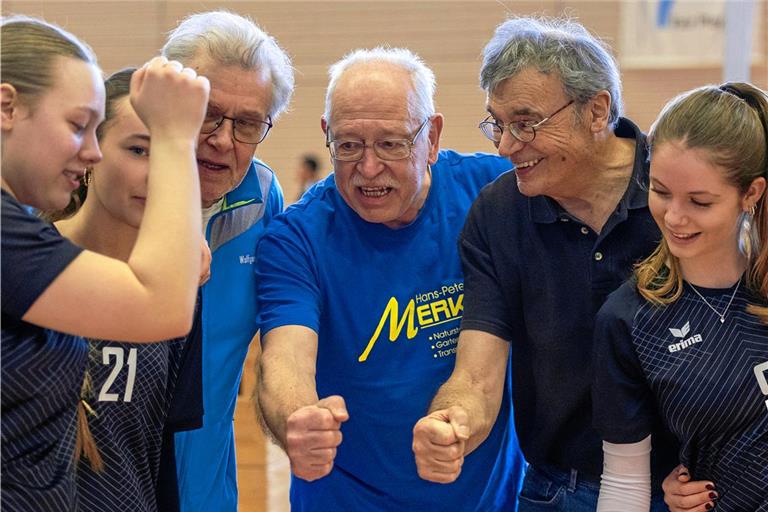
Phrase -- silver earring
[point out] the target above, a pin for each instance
(88, 176)
(749, 238)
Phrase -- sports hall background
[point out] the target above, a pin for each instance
(449, 36)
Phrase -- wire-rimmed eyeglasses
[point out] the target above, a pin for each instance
(247, 131)
(524, 131)
(349, 150)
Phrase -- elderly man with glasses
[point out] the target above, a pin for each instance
(541, 250)
(361, 295)
(251, 85)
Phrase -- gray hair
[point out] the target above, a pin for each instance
(233, 40)
(583, 62)
(422, 78)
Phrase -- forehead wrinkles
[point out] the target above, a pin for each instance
(237, 89)
(374, 129)
(527, 92)
(373, 91)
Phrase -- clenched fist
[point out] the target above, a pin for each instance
(439, 442)
(312, 435)
(170, 99)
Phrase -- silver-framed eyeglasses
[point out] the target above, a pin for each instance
(247, 131)
(524, 131)
(350, 150)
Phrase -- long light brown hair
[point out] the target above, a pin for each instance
(730, 123)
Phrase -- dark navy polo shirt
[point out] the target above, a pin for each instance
(706, 379)
(536, 276)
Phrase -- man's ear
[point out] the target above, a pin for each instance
(324, 127)
(599, 111)
(9, 101)
(435, 129)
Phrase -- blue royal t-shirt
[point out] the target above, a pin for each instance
(386, 304)
(707, 380)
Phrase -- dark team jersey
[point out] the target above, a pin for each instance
(130, 393)
(707, 380)
(41, 374)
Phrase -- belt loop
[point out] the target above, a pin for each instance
(573, 481)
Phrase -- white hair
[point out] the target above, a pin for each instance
(233, 40)
(422, 78)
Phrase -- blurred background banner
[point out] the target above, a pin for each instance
(687, 33)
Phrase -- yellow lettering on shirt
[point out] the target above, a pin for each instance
(427, 314)
(395, 327)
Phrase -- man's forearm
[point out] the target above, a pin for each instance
(279, 397)
(286, 377)
(477, 383)
(481, 407)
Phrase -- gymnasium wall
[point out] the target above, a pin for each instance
(448, 34)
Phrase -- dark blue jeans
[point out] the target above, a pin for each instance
(548, 490)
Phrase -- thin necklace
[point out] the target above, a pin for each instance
(721, 316)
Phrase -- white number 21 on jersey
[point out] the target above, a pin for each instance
(117, 353)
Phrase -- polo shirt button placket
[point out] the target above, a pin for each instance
(598, 256)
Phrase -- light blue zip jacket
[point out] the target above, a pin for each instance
(205, 458)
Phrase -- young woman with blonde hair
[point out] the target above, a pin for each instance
(686, 341)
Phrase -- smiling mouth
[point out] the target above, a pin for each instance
(211, 166)
(683, 237)
(374, 192)
(529, 163)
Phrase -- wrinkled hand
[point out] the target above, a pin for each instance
(439, 441)
(313, 433)
(205, 262)
(170, 99)
(682, 495)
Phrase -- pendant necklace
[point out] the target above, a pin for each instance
(710, 306)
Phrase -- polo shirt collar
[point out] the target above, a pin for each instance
(248, 191)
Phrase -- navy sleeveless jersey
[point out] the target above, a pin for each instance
(130, 393)
(706, 379)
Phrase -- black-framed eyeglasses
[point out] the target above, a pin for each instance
(346, 150)
(524, 131)
(247, 131)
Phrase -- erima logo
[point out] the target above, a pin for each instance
(682, 333)
(761, 372)
(247, 259)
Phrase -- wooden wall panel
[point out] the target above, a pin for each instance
(448, 34)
